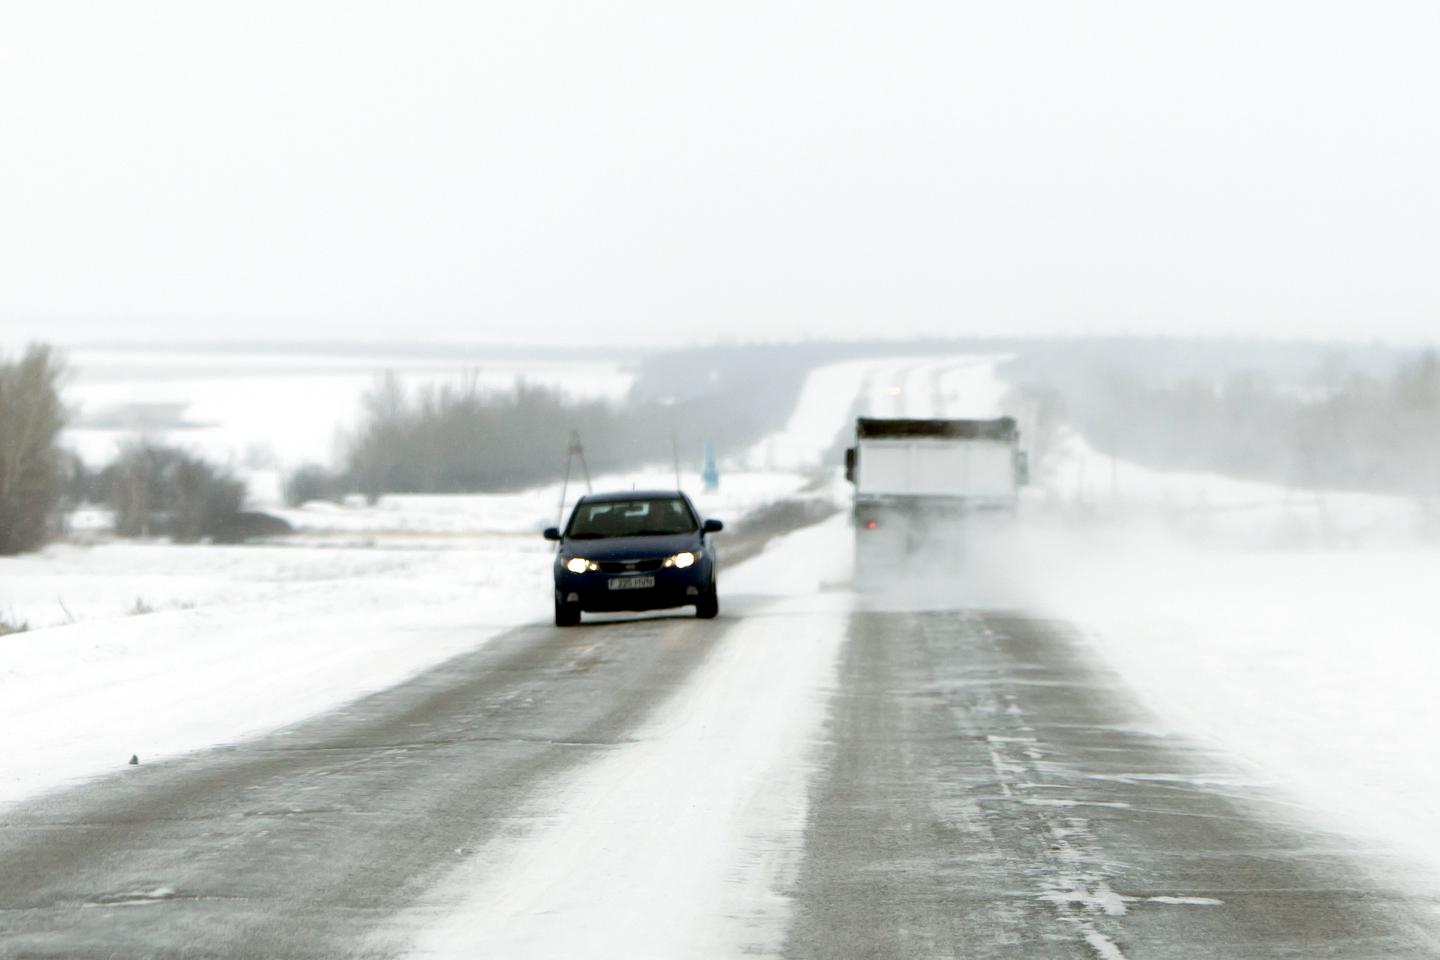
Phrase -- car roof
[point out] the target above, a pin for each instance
(618, 495)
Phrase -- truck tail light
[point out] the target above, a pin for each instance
(872, 524)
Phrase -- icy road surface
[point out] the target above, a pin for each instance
(812, 775)
(815, 774)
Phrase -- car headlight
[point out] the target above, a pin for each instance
(581, 565)
(683, 559)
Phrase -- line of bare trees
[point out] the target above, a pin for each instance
(1337, 429)
(460, 437)
(151, 489)
(157, 490)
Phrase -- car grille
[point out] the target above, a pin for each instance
(630, 566)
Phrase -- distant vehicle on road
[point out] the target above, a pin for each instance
(918, 483)
(639, 550)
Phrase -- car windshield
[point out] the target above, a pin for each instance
(642, 517)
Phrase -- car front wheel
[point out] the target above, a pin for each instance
(708, 606)
(566, 615)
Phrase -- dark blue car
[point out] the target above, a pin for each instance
(641, 550)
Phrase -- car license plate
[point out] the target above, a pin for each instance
(631, 583)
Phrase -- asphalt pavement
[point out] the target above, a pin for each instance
(984, 788)
(991, 791)
(301, 843)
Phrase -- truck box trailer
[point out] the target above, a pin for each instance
(919, 484)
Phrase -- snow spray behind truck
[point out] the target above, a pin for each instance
(923, 486)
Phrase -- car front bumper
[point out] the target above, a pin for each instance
(592, 591)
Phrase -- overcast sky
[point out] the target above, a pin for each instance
(657, 173)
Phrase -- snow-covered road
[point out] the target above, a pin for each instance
(814, 774)
(363, 745)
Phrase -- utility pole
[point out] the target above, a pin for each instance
(576, 451)
(675, 455)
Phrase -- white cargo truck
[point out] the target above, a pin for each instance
(921, 485)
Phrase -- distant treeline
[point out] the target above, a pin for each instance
(1337, 427)
(461, 437)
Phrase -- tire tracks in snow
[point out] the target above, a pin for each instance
(989, 791)
(681, 843)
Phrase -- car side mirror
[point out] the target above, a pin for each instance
(552, 533)
(712, 526)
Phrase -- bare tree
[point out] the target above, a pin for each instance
(157, 490)
(32, 470)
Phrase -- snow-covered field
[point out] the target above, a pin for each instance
(1211, 509)
(1320, 667)
(1298, 631)
(244, 640)
(261, 411)
(393, 520)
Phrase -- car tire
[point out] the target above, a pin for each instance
(708, 607)
(566, 615)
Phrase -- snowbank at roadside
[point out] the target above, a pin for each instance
(271, 638)
(1319, 667)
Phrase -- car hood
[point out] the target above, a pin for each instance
(632, 548)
